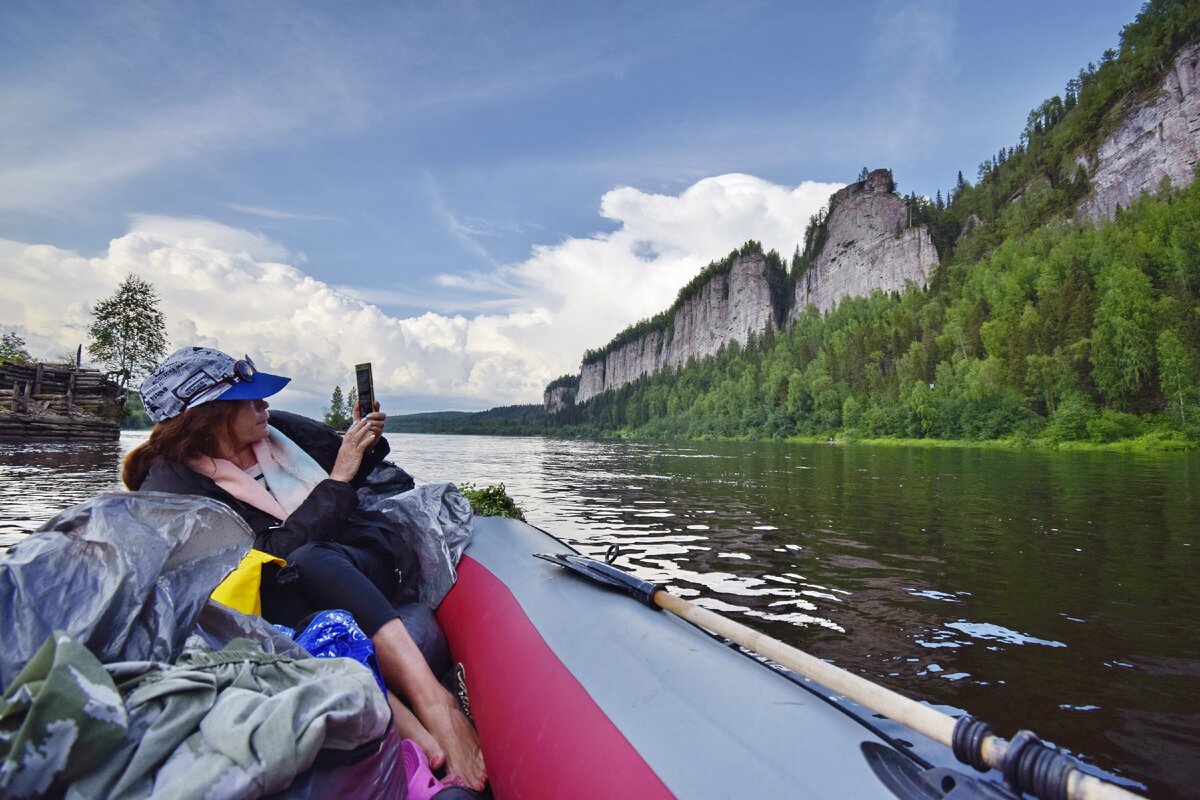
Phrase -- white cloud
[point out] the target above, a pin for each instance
(234, 289)
(274, 213)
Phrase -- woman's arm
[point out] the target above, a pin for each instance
(321, 517)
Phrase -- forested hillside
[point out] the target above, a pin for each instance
(1038, 323)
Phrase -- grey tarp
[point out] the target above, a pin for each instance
(435, 521)
(127, 576)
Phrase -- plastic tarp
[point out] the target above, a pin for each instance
(435, 522)
(128, 576)
(124, 574)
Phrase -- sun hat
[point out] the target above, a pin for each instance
(192, 376)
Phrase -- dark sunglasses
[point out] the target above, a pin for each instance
(243, 370)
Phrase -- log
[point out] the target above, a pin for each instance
(29, 427)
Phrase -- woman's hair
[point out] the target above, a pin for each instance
(195, 432)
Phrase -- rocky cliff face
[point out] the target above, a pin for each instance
(868, 246)
(558, 398)
(730, 307)
(1158, 139)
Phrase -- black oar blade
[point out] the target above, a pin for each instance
(605, 575)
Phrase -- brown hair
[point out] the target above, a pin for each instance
(195, 432)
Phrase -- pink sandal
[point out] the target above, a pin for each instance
(422, 785)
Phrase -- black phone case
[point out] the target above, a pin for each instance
(366, 388)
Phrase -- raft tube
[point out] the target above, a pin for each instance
(581, 692)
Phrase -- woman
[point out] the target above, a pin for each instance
(293, 482)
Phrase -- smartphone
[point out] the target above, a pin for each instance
(366, 388)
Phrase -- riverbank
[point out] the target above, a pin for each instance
(1155, 442)
(1147, 443)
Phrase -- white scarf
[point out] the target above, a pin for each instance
(289, 472)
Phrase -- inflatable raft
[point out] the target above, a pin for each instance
(581, 692)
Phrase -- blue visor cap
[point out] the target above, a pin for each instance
(261, 385)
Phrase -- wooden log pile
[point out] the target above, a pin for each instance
(59, 402)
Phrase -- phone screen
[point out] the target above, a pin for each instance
(366, 388)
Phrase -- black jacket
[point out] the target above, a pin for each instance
(329, 513)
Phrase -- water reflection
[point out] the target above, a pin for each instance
(1050, 590)
(37, 480)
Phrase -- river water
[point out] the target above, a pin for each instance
(1054, 591)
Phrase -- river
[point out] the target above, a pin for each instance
(1054, 591)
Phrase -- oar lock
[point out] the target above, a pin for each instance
(1029, 766)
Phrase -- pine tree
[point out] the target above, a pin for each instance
(128, 330)
(337, 416)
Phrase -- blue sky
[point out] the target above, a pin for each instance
(470, 193)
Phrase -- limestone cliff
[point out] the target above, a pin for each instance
(557, 398)
(1158, 138)
(732, 305)
(868, 245)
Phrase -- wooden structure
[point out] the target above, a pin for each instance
(58, 402)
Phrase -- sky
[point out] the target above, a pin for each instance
(470, 194)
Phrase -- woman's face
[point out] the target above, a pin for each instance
(250, 423)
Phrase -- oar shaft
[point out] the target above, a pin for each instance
(917, 716)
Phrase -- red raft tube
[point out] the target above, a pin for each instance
(581, 692)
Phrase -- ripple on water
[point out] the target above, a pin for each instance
(988, 631)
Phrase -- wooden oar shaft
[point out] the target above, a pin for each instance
(917, 716)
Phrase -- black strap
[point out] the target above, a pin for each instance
(967, 741)
(1030, 766)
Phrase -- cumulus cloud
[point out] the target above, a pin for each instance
(242, 292)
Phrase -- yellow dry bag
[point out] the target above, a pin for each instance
(240, 589)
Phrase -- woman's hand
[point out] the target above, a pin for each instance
(361, 437)
(376, 418)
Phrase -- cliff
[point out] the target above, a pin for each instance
(556, 398)
(1158, 138)
(732, 305)
(868, 245)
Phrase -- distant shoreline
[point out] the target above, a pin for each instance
(1148, 443)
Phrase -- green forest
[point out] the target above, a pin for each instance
(1035, 328)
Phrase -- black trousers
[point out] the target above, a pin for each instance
(359, 577)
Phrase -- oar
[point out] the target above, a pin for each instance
(1028, 765)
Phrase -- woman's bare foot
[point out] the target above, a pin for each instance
(450, 727)
(409, 727)
(436, 710)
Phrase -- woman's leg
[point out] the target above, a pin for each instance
(344, 576)
(409, 727)
(405, 669)
(333, 575)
